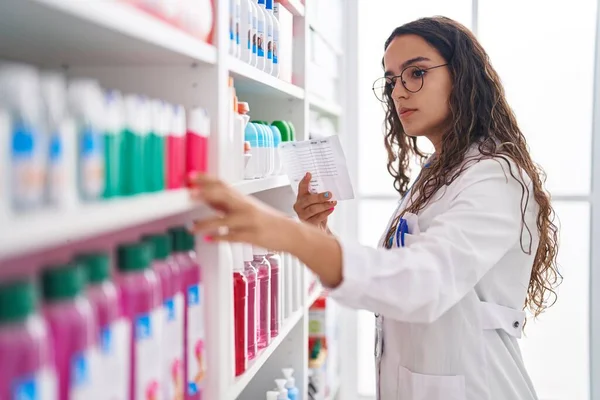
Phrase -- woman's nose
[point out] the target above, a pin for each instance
(399, 91)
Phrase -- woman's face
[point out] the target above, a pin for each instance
(422, 113)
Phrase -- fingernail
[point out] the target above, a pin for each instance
(331, 209)
(208, 239)
(326, 195)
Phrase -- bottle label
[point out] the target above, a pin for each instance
(83, 372)
(237, 22)
(275, 44)
(254, 33)
(92, 167)
(41, 386)
(231, 18)
(114, 359)
(28, 175)
(269, 42)
(261, 39)
(249, 31)
(148, 338)
(195, 332)
(173, 346)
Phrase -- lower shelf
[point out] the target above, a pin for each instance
(255, 365)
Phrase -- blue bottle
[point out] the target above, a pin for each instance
(276, 141)
(251, 171)
(290, 384)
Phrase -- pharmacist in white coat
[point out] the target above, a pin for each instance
(469, 248)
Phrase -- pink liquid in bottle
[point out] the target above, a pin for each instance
(264, 296)
(240, 318)
(26, 364)
(140, 297)
(274, 260)
(176, 151)
(172, 299)
(194, 358)
(73, 330)
(253, 301)
(197, 141)
(112, 329)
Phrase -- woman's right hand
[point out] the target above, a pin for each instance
(313, 208)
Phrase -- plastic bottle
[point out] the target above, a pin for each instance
(5, 146)
(292, 131)
(112, 330)
(264, 296)
(284, 130)
(113, 144)
(268, 154)
(155, 147)
(140, 296)
(238, 46)
(290, 384)
(253, 167)
(197, 141)
(20, 95)
(176, 162)
(26, 365)
(246, 31)
(274, 261)
(73, 330)
(86, 104)
(283, 393)
(254, 33)
(172, 300)
(132, 164)
(261, 36)
(275, 46)
(277, 167)
(261, 151)
(271, 149)
(240, 318)
(194, 333)
(269, 37)
(272, 395)
(253, 301)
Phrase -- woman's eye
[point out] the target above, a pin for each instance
(418, 73)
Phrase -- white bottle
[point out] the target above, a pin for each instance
(232, 41)
(272, 395)
(261, 56)
(268, 38)
(271, 151)
(246, 31)
(254, 32)
(283, 393)
(275, 46)
(237, 26)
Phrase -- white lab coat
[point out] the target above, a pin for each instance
(449, 304)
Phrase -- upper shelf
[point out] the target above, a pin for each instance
(325, 106)
(49, 228)
(250, 80)
(58, 32)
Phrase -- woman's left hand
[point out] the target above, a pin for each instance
(239, 218)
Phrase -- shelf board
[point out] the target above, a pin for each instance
(50, 228)
(325, 106)
(58, 32)
(294, 6)
(255, 365)
(250, 80)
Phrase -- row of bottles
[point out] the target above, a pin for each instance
(136, 334)
(62, 143)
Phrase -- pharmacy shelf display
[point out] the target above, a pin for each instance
(174, 84)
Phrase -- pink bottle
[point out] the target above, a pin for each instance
(264, 296)
(253, 301)
(193, 338)
(140, 297)
(112, 329)
(240, 318)
(26, 365)
(172, 300)
(197, 141)
(176, 162)
(73, 330)
(274, 260)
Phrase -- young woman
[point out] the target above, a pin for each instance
(471, 245)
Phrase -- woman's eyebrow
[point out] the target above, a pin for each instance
(406, 64)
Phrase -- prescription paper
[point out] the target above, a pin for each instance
(324, 159)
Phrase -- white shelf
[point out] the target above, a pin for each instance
(255, 365)
(58, 32)
(325, 106)
(250, 80)
(294, 6)
(50, 228)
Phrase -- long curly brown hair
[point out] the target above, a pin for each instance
(479, 113)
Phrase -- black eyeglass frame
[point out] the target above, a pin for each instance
(394, 78)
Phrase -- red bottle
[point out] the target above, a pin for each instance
(197, 141)
(274, 260)
(253, 301)
(240, 318)
(176, 151)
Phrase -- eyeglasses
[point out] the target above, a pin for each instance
(411, 78)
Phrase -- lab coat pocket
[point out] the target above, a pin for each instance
(413, 386)
(412, 222)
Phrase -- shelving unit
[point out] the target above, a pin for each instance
(133, 52)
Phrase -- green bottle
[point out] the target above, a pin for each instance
(132, 151)
(285, 130)
(154, 149)
(292, 131)
(113, 141)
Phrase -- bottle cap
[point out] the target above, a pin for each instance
(159, 117)
(243, 107)
(134, 257)
(181, 239)
(178, 122)
(283, 393)
(276, 135)
(18, 300)
(114, 119)
(292, 131)
(284, 130)
(272, 395)
(258, 251)
(63, 281)
(54, 92)
(196, 121)
(269, 4)
(287, 372)
(160, 246)
(251, 135)
(237, 256)
(96, 267)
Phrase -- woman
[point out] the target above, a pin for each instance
(470, 246)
